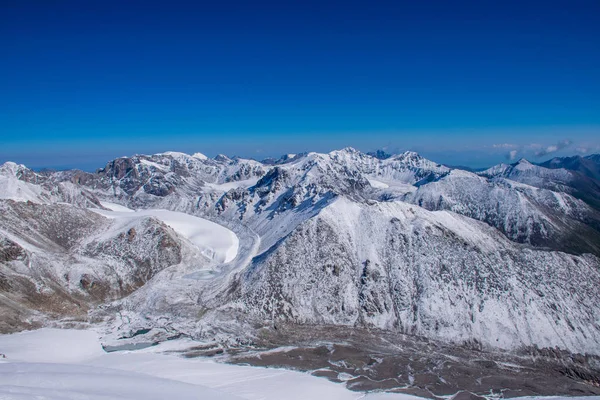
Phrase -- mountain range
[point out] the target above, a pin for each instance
(501, 259)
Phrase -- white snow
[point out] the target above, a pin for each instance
(57, 364)
(215, 241)
(224, 187)
(378, 184)
(51, 345)
(153, 164)
(175, 154)
(78, 382)
(523, 165)
(12, 188)
(69, 364)
(115, 207)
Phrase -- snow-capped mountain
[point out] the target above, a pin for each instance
(588, 165)
(524, 213)
(434, 274)
(505, 258)
(577, 176)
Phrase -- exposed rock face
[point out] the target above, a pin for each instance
(136, 254)
(57, 260)
(10, 251)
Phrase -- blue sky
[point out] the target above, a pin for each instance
(471, 83)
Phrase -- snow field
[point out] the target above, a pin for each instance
(54, 364)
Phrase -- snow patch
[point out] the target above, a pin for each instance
(224, 187)
(378, 184)
(153, 164)
(115, 207)
(12, 188)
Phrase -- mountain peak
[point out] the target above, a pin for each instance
(380, 154)
(222, 158)
(12, 168)
(347, 150)
(199, 156)
(408, 156)
(174, 154)
(523, 164)
(9, 165)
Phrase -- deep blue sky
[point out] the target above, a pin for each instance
(82, 82)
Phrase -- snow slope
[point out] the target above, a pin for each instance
(11, 187)
(70, 364)
(396, 266)
(215, 241)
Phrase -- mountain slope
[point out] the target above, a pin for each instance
(524, 213)
(58, 260)
(434, 274)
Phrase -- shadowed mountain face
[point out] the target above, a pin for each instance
(585, 183)
(588, 166)
(578, 176)
(505, 258)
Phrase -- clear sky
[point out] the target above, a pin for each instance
(462, 82)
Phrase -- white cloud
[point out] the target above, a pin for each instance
(553, 148)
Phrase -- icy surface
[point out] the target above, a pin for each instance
(115, 207)
(378, 184)
(51, 346)
(215, 241)
(67, 364)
